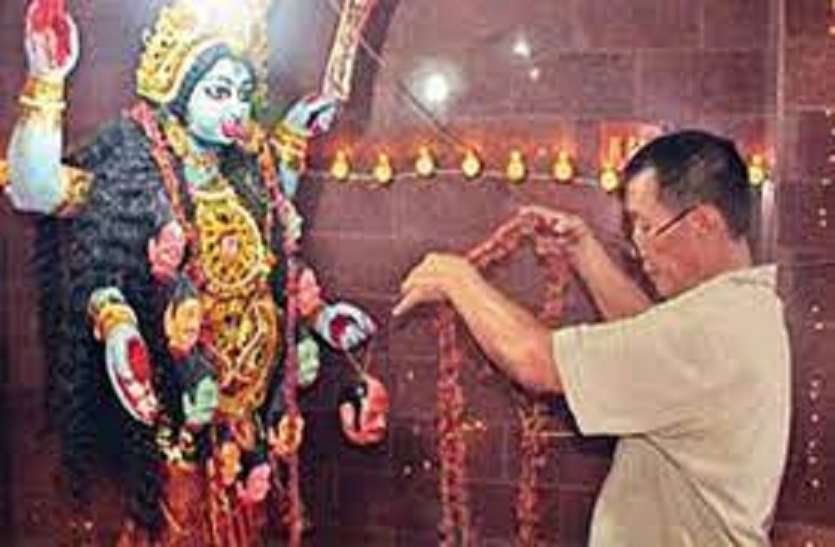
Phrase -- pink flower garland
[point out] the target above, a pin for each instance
(456, 526)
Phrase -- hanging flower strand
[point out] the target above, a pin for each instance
(456, 527)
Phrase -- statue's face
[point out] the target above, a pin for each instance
(221, 103)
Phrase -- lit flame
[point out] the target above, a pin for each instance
(516, 170)
(563, 167)
(383, 171)
(609, 179)
(471, 166)
(425, 163)
(341, 167)
(757, 170)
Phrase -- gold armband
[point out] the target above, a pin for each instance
(43, 93)
(42, 101)
(110, 316)
(75, 187)
(107, 309)
(292, 147)
(4, 174)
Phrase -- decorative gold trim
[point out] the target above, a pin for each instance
(4, 174)
(75, 188)
(291, 147)
(243, 354)
(43, 89)
(109, 317)
(43, 115)
(232, 252)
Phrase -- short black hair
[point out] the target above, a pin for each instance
(695, 167)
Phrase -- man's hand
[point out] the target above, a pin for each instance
(616, 294)
(433, 280)
(52, 43)
(572, 232)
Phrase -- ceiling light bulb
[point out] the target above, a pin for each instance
(436, 89)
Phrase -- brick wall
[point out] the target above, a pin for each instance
(805, 246)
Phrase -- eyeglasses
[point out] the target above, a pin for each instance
(664, 228)
(667, 226)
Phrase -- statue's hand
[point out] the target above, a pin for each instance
(309, 362)
(200, 402)
(313, 115)
(129, 369)
(52, 41)
(344, 326)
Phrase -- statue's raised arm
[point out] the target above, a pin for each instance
(38, 182)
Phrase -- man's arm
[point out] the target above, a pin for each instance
(509, 334)
(515, 340)
(615, 294)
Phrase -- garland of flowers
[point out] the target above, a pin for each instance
(290, 384)
(293, 414)
(455, 528)
(144, 115)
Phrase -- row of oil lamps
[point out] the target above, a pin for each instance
(516, 170)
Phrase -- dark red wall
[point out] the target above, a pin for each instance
(758, 71)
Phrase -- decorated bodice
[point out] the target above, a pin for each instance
(241, 328)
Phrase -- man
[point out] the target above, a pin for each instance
(696, 387)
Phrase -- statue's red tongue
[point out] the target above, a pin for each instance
(232, 130)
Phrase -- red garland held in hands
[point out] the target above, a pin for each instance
(456, 526)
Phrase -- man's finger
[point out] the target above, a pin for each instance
(404, 305)
(542, 211)
(410, 299)
(412, 278)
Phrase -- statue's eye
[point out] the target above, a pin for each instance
(218, 92)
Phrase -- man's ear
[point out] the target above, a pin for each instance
(706, 218)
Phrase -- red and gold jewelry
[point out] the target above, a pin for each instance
(291, 147)
(43, 93)
(287, 440)
(75, 187)
(109, 317)
(4, 174)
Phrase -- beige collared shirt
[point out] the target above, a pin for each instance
(698, 390)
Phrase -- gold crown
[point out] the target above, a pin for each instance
(187, 28)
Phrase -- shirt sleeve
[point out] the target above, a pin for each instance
(640, 374)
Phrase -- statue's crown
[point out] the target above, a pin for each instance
(187, 28)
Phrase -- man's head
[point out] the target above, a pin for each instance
(688, 205)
